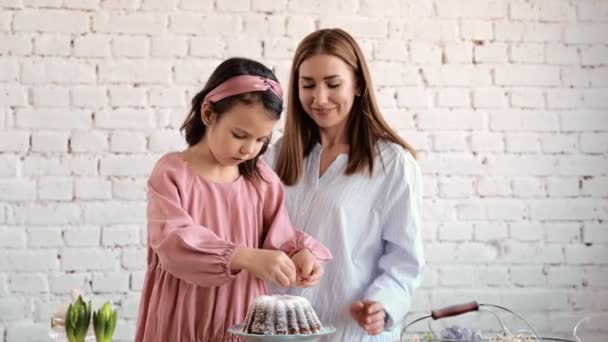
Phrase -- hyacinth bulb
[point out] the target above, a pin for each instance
(104, 322)
(77, 320)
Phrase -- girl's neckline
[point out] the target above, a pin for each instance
(182, 157)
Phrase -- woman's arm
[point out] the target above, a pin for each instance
(402, 263)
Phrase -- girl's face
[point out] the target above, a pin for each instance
(239, 134)
(327, 87)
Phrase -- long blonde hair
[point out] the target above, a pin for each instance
(365, 125)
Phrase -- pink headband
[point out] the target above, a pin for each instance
(243, 84)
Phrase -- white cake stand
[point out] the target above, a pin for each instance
(238, 330)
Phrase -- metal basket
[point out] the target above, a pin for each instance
(592, 328)
(499, 334)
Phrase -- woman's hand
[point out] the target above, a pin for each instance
(266, 264)
(369, 315)
(308, 268)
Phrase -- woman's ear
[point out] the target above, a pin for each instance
(207, 115)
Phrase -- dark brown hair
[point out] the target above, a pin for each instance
(193, 127)
(365, 125)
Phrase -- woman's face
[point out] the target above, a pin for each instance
(327, 88)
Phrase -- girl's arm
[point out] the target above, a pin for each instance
(186, 250)
(402, 263)
(279, 231)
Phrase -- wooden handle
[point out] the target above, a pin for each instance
(455, 310)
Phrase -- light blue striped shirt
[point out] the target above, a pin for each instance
(372, 226)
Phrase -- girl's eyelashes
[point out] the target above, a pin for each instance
(242, 136)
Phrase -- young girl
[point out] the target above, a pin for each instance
(217, 225)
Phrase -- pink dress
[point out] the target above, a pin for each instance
(194, 228)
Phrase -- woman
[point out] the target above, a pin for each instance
(353, 184)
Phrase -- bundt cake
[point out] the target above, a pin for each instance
(281, 315)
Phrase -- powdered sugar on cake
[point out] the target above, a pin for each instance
(281, 315)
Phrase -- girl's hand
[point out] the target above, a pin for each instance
(369, 315)
(266, 264)
(308, 268)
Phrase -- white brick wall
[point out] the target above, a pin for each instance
(506, 100)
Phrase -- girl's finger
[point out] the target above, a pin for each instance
(309, 283)
(316, 274)
(282, 279)
(315, 277)
(306, 269)
(288, 269)
(290, 264)
(315, 268)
